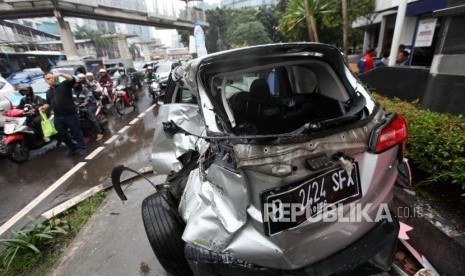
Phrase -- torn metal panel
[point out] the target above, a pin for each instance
(351, 141)
(218, 204)
(202, 227)
(165, 151)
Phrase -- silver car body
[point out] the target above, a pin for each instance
(221, 204)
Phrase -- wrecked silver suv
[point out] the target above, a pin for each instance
(279, 163)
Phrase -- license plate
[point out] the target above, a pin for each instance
(289, 206)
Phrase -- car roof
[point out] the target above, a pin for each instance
(241, 58)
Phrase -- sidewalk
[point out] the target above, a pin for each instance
(114, 241)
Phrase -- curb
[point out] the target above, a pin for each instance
(86, 194)
(445, 250)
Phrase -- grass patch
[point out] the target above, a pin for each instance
(35, 249)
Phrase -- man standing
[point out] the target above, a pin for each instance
(60, 100)
(369, 62)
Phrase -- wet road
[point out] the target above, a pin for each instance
(127, 141)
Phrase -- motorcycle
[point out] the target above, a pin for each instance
(154, 90)
(107, 94)
(18, 138)
(122, 100)
(85, 123)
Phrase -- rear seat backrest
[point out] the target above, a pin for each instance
(259, 96)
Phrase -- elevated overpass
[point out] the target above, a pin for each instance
(123, 11)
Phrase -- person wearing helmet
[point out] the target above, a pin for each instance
(82, 79)
(93, 85)
(29, 98)
(85, 98)
(35, 101)
(126, 81)
(149, 75)
(106, 82)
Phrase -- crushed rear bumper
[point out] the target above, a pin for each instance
(371, 253)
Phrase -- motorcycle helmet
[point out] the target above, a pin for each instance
(89, 74)
(81, 77)
(102, 71)
(149, 68)
(26, 90)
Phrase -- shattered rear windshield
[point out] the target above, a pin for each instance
(279, 99)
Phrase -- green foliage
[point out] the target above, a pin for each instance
(29, 242)
(436, 142)
(269, 17)
(84, 32)
(252, 33)
(34, 250)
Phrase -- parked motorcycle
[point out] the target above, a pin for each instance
(122, 100)
(18, 138)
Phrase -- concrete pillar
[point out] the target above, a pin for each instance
(397, 32)
(382, 28)
(123, 47)
(66, 38)
(146, 51)
(366, 42)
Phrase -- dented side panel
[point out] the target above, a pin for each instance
(165, 151)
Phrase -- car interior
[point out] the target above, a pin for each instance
(281, 98)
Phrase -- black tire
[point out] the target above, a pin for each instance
(120, 107)
(18, 152)
(3, 151)
(164, 228)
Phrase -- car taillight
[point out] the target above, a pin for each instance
(390, 134)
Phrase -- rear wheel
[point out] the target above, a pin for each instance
(120, 107)
(2, 145)
(18, 152)
(164, 228)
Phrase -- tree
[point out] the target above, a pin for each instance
(269, 17)
(300, 12)
(363, 10)
(345, 29)
(134, 50)
(84, 32)
(247, 34)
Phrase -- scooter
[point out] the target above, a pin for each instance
(122, 100)
(154, 89)
(18, 138)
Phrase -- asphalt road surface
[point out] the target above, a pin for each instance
(127, 140)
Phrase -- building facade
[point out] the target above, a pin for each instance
(433, 33)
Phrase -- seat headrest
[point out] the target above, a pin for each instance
(259, 90)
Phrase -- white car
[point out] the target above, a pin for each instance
(6, 92)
